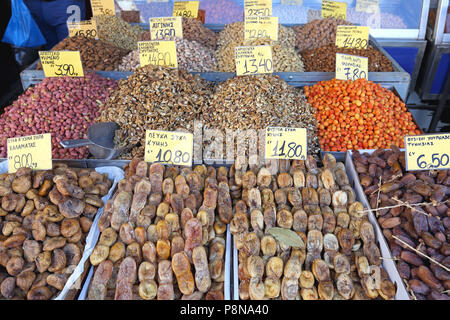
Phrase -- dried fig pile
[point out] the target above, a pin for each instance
(301, 235)
(162, 235)
(45, 218)
(426, 228)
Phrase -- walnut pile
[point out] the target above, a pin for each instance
(162, 236)
(45, 218)
(334, 256)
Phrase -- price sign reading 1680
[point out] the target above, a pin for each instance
(169, 147)
(286, 143)
(430, 151)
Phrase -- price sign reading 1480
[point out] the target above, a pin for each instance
(158, 53)
(352, 37)
(169, 147)
(429, 151)
(253, 60)
(185, 9)
(286, 143)
(33, 152)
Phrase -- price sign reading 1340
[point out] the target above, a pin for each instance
(253, 60)
(169, 147)
(429, 151)
(286, 143)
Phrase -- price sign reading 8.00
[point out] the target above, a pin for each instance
(169, 147)
(33, 152)
(286, 143)
(430, 151)
(253, 60)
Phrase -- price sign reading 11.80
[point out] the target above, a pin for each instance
(158, 53)
(286, 143)
(253, 60)
(429, 151)
(169, 147)
(33, 152)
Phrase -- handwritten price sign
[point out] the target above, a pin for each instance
(103, 7)
(350, 67)
(253, 60)
(61, 63)
(33, 152)
(158, 53)
(286, 143)
(352, 37)
(429, 151)
(169, 147)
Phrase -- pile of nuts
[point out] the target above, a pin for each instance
(163, 223)
(153, 98)
(118, 32)
(95, 54)
(45, 218)
(317, 33)
(323, 59)
(414, 212)
(64, 107)
(194, 30)
(359, 115)
(191, 56)
(257, 102)
(334, 254)
(285, 57)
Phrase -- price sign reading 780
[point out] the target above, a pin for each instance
(429, 151)
(253, 60)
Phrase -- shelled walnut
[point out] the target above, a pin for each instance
(414, 214)
(163, 235)
(335, 255)
(45, 218)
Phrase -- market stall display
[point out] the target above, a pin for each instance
(46, 218)
(64, 107)
(412, 210)
(118, 32)
(301, 235)
(193, 29)
(163, 235)
(359, 115)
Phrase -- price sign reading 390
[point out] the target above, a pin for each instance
(61, 63)
(429, 151)
(33, 152)
(103, 7)
(253, 60)
(169, 147)
(286, 143)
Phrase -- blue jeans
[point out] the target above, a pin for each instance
(51, 17)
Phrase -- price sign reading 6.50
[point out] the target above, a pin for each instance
(169, 147)
(429, 151)
(253, 60)
(286, 143)
(33, 152)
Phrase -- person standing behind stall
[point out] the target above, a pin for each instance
(52, 15)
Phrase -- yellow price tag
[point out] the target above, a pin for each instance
(169, 147)
(158, 53)
(253, 60)
(34, 152)
(103, 7)
(350, 67)
(292, 2)
(286, 143)
(87, 28)
(352, 37)
(186, 9)
(61, 63)
(258, 8)
(368, 6)
(334, 9)
(261, 27)
(163, 27)
(429, 151)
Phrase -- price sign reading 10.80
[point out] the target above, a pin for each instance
(169, 147)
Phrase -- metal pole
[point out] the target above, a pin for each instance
(441, 106)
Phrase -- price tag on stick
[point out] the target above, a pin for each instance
(253, 60)
(158, 53)
(350, 67)
(186, 9)
(258, 8)
(261, 27)
(169, 147)
(286, 143)
(352, 37)
(61, 63)
(87, 28)
(429, 151)
(34, 152)
(166, 27)
(103, 7)
(334, 9)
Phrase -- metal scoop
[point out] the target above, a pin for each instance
(100, 141)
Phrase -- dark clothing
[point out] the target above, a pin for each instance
(51, 17)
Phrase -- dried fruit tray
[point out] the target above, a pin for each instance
(73, 284)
